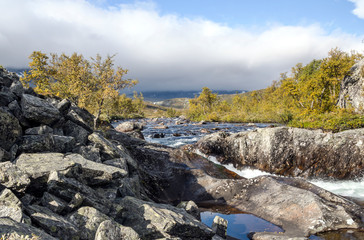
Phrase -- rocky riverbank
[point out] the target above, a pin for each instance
(61, 179)
(291, 151)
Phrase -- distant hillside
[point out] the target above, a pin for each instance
(155, 96)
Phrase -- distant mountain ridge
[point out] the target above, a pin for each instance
(154, 96)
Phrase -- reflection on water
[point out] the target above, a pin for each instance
(240, 225)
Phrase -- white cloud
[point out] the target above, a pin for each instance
(359, 8)
(162, 51)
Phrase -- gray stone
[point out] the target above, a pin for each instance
(351, 92)
(39, 166)
(53, 203)
(129, 126)
(79, 133)
(110, 149)
(191, 208)
(63, 144)
(89, 152)
(6, 97)
(5, 155)
(291, 151)
(36, 143)
(64, 105)
(39, 110)
(11, 207)
(43, 129)
(275, 236)
(13, 178)
(17, 88)
(110, 230)
(87, 220)
(73, 191)
(80, 117)
(152, 220)
(10, 130)
(118, 162)
(53, 224)
(17, 112)
(219, 226)
(14, 230)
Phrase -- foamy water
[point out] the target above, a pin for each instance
(349, 188)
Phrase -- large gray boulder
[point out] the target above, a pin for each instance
(40, 165)
(10, 130)
(291, 151)
(88, 219)
(13, 178)
(39, 110)
(352, 92)
(76, 193)
(152, 221)
(14, 230)
(52, 223)
(11, 207)
(110, 230)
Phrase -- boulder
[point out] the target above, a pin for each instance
(6, 97)
(351, 92)
(63, 144)
(76, 193)
(291, 151)
(64, 105)
(87, 220)
(53, 203)
(219, 226)
(39, 110)
(17, 112)
(191, 208)
(17, 88)
(11, 207)
(110, 150)
(43, 129)
(13, 178)
(152, 221)
(36, 143)
(74, 130)
(89, 152)
(301, 208)
(40, 165)
(129, 126)
(10, 130)
(81, 117)
(14, 230)
(109, 230)
(5, 155)
(52, 223)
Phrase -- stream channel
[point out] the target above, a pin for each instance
(176, 133)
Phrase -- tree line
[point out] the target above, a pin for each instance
(306, 96)
(93, 84)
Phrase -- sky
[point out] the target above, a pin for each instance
(184, 44)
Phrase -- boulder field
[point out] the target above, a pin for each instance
(61, 179)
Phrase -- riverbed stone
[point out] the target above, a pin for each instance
(291, 151)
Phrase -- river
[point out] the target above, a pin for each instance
(176, 133)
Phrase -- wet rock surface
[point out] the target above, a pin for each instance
(60, 179)
(291, 151)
